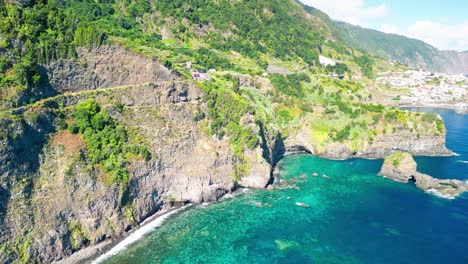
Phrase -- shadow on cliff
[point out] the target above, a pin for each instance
(43, 90)
(273, 148)
(24, 145)
(4, 198)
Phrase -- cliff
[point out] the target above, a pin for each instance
(401, 167)
(378, 147)
(103, 67)
(102, 125)
(56, 204)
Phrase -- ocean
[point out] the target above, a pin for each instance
(350, 216)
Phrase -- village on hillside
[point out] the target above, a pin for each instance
(423, 88)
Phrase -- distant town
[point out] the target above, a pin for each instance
(425, 88)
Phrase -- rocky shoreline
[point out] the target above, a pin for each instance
(91, 254)
(441, 188)
(97, 253)
(401, 167)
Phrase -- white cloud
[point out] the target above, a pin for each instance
(443, 36)
(360, 12)
(351, 11)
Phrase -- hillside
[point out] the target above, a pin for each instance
(104, 122)
(404, 50)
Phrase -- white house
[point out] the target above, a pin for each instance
(326, 61)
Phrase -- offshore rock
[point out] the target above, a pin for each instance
(401, 167)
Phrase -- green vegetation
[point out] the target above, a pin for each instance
(366, 63)
(77, 236)
(291, 84)
(106, 141)
(395, 47)
(227, 112)
(395, 159)
(19, 247)
(202, 31)
(339, 68)
(242, 105)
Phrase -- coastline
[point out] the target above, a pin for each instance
(458, 108)
(100, 252)
(147, 226)
(105, 249)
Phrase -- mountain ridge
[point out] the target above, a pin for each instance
(403, 49)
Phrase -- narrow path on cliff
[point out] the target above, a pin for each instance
(41, 102)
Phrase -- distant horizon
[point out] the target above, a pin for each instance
(443, 25)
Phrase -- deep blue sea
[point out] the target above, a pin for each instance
(353, 217)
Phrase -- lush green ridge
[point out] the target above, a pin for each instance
(399, 48)
(207, 33)
(389, 46)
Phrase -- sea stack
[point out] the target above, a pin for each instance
(401, 167)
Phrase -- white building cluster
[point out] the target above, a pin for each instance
(426, 87)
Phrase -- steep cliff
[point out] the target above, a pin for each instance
(57, 204)
(148, 138)
(421, 140)
(103, 67)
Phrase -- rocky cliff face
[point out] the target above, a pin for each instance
(401, 167)
(59, 204)
(383, 145)
(53, 203)
(103, 67)
(454, 62)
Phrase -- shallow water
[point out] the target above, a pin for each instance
(354, 217)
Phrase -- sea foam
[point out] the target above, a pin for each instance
(438, 194)
(137, 235)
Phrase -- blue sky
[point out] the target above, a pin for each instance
(443, 24)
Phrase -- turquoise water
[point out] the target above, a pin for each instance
(353, 217)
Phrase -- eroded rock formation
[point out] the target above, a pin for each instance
(402, 167)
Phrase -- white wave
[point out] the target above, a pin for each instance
(137, 235)
(463, 161)
(438, 194)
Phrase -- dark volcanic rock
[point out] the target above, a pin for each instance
(106, 66)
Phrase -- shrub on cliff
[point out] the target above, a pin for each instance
(107, 142)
